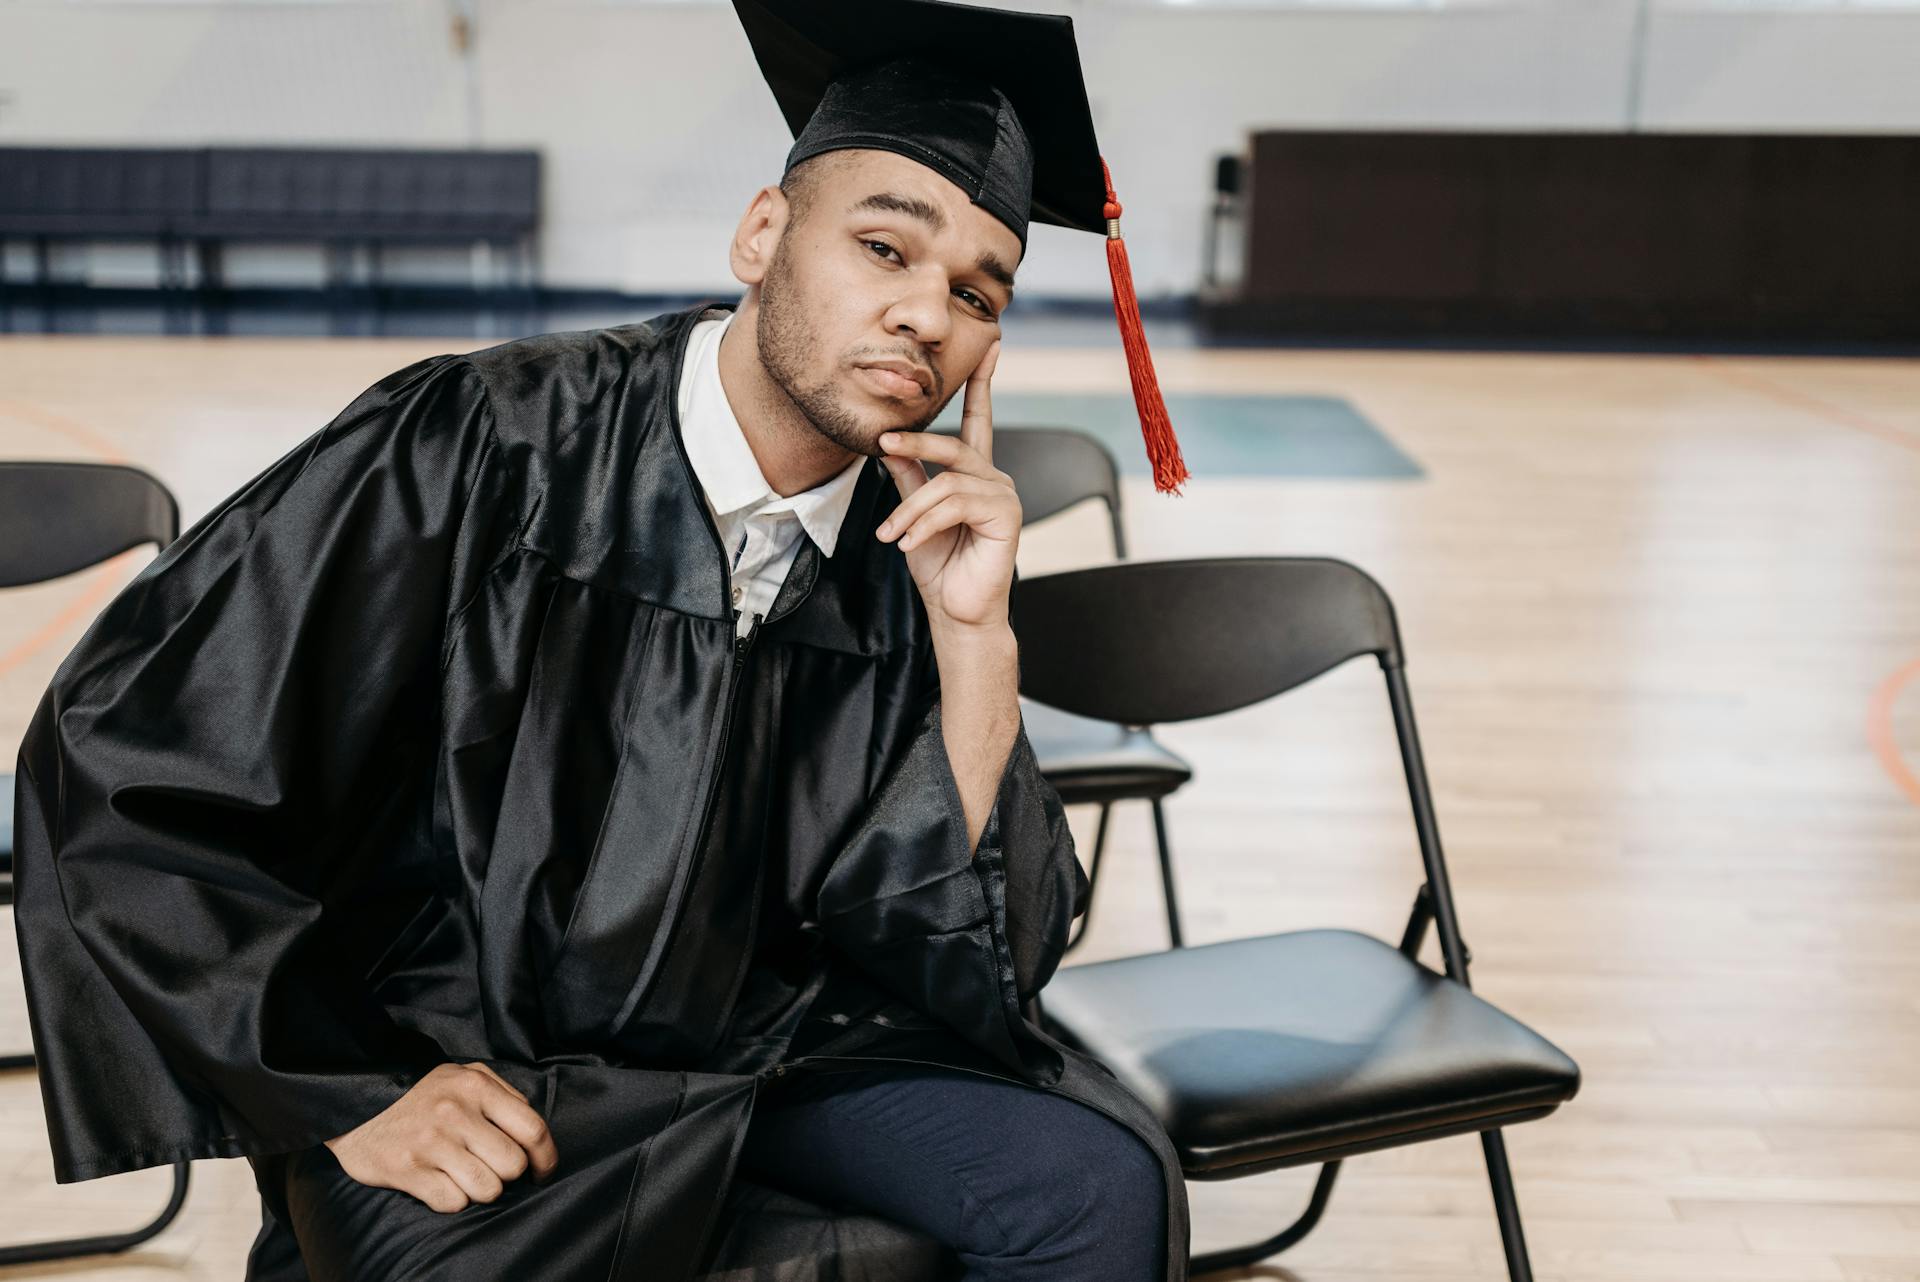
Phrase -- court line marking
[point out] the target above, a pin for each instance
(99, 584)
(99, 589)
(1880, 707)
(1812, 404)
(1880, 730)
(105, 449)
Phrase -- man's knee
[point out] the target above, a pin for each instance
(1107, 1199)
(1048, 1186)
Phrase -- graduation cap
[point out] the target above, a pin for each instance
(991, 99)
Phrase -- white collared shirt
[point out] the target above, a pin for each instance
(760, 528)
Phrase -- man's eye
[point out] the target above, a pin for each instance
(882, 248)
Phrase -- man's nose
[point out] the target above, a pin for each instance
(921, 313)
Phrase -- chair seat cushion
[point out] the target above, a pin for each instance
(1304, 1046)
(768, 1235)
(1090, 761)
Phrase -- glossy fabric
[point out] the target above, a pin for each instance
(763, 1234)
(433, 742)
(768, 1234)
(958, 125)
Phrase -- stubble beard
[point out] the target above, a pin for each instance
(785, 348)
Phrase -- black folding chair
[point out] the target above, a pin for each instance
(56, 519)
(1088, 760)
(1306, 1046)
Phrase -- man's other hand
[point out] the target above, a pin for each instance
(455, 1137)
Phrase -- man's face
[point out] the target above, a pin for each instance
(891, 263)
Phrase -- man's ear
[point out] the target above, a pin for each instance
(759, 231)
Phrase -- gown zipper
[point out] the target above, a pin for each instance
(691, 865)
(741, 644)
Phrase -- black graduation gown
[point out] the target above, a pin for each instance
(434, 742)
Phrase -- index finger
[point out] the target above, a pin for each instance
(976, 412)
(528, 1129)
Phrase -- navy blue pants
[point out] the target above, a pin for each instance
(1020, 1184)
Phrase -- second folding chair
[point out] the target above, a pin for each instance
(1307, 1046)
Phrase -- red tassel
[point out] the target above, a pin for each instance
(1169, 470)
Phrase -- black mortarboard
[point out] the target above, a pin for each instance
(991, 99)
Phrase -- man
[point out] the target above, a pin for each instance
(479, 819)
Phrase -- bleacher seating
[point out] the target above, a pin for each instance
(208, 197)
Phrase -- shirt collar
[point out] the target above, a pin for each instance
(724, 462)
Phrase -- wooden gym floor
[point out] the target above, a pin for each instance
(1663, 620)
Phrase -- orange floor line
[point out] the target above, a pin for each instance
(1880, 730)
(1811, 404)
(104, 450)
(99, 588)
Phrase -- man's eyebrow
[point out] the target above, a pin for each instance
(988, 263)
(991, 266)
(913, 206)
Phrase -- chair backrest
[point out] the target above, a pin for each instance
(1148, 642)
(57, 518)
(1052, 469)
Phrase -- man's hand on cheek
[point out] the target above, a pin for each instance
(959, 530)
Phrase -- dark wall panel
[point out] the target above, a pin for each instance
(1705, 234)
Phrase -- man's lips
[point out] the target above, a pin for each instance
(896, 378)
(888, 383)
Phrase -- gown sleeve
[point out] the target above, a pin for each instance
(235, 749)
(965, 936)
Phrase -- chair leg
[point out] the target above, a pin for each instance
(1240, 1257)
(1093, 876)
(106, 1244)
(1506, 1206)
(1166, 873)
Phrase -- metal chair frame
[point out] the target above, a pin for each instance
(57, 518)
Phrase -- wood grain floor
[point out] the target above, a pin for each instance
(1663, 620)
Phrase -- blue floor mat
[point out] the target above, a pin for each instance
(1322, 436)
